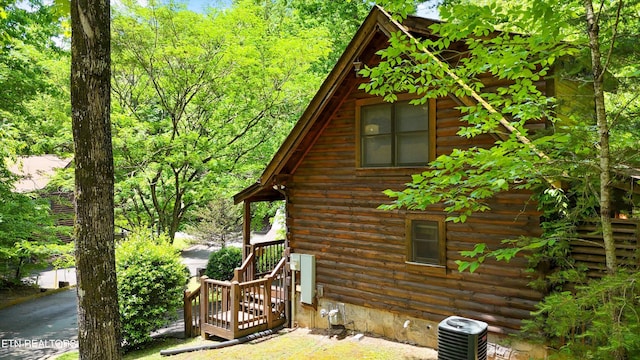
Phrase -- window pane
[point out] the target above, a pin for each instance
(413, 148)
(376, 150)
(425, 242)
(411, 117)
(376, 119)
(425, 230)
(426, 251)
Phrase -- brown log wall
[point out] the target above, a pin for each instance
(62, 208)
(589, 248)
(361, 251)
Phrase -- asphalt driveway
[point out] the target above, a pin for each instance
(47, 325)
(39, 328)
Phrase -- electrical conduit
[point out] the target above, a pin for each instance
(227, 343)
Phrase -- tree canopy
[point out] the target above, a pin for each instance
(26, 31)
(26, 45)
(201, 102)
(574, 168)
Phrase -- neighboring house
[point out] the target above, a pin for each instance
(389, 272)
(34, 174)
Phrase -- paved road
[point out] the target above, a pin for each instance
(39, 328)
(48, 325)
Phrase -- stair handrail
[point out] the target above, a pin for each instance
(281, 295)
(278, 267)
(246, 271)
(191, 308)
(267, 255)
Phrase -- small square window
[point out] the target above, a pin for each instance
(426, 240)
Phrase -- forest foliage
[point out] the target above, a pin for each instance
(584, 169)
(200, 102)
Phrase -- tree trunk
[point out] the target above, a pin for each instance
(603, 134)
(98, 314)
(18, 274)
(599, 70)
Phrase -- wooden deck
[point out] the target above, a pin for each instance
(232, 309)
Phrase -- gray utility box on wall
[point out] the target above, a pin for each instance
(306, 264)
(462, 339)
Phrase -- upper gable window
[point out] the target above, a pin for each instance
(394, 134)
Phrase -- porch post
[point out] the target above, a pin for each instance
(246, 229)
(188, 321)
(204, 306)
(234, 307)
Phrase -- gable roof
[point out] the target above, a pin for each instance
(310, 124)
(290, 149)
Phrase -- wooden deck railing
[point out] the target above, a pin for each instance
(192, 312)
(262, 259)
(246, 271)
(232, 309)
(267, 256)
(226, 309)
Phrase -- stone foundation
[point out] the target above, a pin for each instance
(400, 328)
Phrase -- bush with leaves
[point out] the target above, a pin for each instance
(26, 234)
(151, 281)
(599, 320)
(222, 263)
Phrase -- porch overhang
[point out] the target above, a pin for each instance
(258, 192)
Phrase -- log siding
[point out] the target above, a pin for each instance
(361, 252)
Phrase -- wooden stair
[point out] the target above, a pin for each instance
(255, 300)
(234, 309)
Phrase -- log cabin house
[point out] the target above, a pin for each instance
(391, 273)
(34, 175)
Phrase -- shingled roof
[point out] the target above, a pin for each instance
(35, 172)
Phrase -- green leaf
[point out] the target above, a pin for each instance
(474, 266)
(462, 265)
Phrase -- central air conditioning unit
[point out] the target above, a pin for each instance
(462, 339)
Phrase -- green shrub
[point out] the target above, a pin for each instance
(222, 262)
(600, 320)
(151, 281)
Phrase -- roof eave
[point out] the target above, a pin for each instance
(258, 192)
(376, 20)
